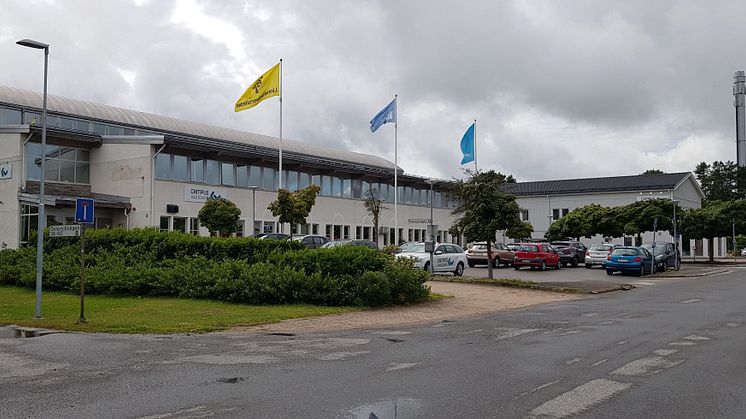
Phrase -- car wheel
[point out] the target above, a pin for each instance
(609, 272)
(575, 263)
(516, 267)
(642, 270)
(496, 262)
(471, 264)
(426, 267)
(543, 266)
(559, 265)
(588, 266)
(459, 269)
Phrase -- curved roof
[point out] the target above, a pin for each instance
(598, 185)
(75, 107)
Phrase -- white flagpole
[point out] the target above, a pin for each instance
(396, 166)
(279, 180)
(475, 144)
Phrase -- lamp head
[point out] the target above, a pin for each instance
(32, 44)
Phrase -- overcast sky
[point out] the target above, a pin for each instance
(559, 89)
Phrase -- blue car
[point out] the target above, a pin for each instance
(629, 259)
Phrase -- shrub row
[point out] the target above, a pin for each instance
(138, 262)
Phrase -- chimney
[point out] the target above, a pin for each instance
(739, 91)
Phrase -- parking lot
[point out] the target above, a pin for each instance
(564, 275)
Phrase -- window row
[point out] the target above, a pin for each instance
(62, 164)
(214, 172)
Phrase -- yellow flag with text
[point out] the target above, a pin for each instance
(266, 86)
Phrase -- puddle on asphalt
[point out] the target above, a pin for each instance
(386, 409)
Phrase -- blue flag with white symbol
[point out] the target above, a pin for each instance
(467, 145)
(387, 114)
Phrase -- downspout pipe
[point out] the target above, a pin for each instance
(152, 183)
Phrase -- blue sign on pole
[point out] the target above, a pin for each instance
(84, 211)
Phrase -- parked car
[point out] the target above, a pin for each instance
(513, 246)
(500, 254)
(629, 259)
(597, 254)
(536, 255)
(311, 240)
(665, 255)
(743, 252)
(571, 252)
(275, 236)
(336, 243)
(446, 257)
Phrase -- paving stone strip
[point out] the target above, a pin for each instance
(468, 300)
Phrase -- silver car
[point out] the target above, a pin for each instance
(597, 254)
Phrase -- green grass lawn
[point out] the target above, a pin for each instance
(143, 314)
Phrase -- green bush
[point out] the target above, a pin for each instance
(149, 263)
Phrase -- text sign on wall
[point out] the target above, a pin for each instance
(71, 230)
(6, 171)
(200, 194)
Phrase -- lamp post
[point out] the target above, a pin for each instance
(431, 182)
(42, 223)
(253, 208)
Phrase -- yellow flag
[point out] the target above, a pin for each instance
(266, 86)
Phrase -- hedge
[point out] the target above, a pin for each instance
(150, 263)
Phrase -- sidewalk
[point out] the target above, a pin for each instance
(468, 300)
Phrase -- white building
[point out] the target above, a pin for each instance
(150, 170)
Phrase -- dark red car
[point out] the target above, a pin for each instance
(536, 255)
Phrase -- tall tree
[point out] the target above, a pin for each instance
(482, 208)
(294, 207)
(721, 181)
(219, 215)
(374, 205)
(524, 230)
(653, 172)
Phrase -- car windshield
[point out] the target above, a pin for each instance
(405, 247)
(601, 247)
(625, 252)
(528, 248)
(560, 245)
(414, 248)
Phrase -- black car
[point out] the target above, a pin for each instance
(570, 252)
(665, 255)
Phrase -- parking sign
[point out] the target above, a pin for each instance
(84, 211)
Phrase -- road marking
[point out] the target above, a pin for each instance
(580, 398)
(682, 343)
(471, 331)
(509, 332)
(551, 383)
(590, 314)
(622, 342)
(606, 323)
(336, 356)
(646, 283)
(695, 337)
(574, 360)
(665, 352)
(595, 364)
(390, 332)
(645, 366)
(569, 332)
(401, 366)
(732, 324)
(693, 300)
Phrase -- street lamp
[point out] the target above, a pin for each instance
(431, 182)
(42, 224)
(253, 209)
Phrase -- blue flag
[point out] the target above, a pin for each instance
(387, 114)
(467, 145)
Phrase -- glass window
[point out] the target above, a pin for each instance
(565, 211)
(555, 214)
(326, 185)
(52, 169)
(67, 123)
(82, 155)
(82, 172)
(229, 177)
(180, 224)
(268, 179)
(163, 166)
(67, 171)
(212, 174)
(164, 223)
(99, 129)
(194, 226)
(391, 194)
(33, 161)
(83, 126)
(10, 117)
(408, 195)
(31, 118)
(198, 170)
(180, 168)
(400, 197)
(357, 188)
(255, 176)
(347, 188)
(316, 180)
(366, 190)
(292, 179)
(438, 203)
(383, 192)
(112, 130)
(304, 180)
(336, 187)
(242, 175)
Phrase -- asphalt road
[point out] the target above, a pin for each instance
(580, 273)
(672, 349)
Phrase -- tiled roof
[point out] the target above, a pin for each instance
(599, 184)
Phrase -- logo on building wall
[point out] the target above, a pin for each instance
(198, 194)
(6, 170)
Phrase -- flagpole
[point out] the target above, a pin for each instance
(475, 145)
(396, 166)
(279, 181)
